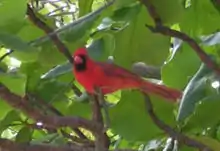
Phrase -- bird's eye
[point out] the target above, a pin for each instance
(78, 60)
(80, 63)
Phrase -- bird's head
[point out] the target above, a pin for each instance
(80, 58)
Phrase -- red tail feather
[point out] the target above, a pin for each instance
(162, 90)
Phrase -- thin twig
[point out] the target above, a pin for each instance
(60, 46)
(173, 133)
(25, 123)
(76, 89)
(60, 14)
(6, 54)
(83, 142)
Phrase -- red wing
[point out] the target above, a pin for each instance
(115, 70)
(119, 78)
(116, 78)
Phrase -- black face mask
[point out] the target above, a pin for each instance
(80, 66)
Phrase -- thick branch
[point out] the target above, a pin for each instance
(173, 133)
(49, 107)
(50, 121)
(102, 141)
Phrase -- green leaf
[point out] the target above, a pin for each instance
(194, 92)
(4, 108)
(44, 137)
(12, 15)
(14, 42)
(58, 70)
(33, 70)
(79, 109)
(137, 43)
(123, 3)
(16, 83)
(170, 11)
(101, 48)
(23, 51)
(59, 140)
(126, 13)
(205, 114)
(164, 109)
(210, 142)
(61, 106)
(52, 90)
(50, 55)
(11, 117)
(130, 119)
(123, 143)
(24, 135)
(85, 7)
(130, 111)
(197, 21)
(182, 66)
(29, 31)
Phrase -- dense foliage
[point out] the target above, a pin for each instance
(34, 67)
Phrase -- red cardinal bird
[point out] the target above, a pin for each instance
(110, 77)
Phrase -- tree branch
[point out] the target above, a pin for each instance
(173, 133)
(52, 109)
(152, 11)
(60, 46)
(160, 28)
(9, 145)
(102, 141)
(47, 120)
(77, 22)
